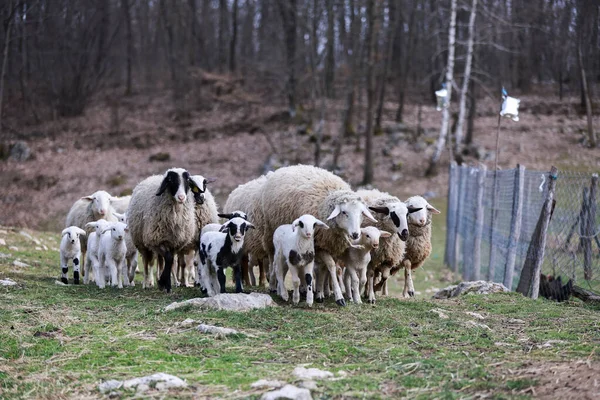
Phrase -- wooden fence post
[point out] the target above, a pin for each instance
(478, 224)
(492, 267)
(464, 171)
(451, 214)
(515, 226)
(467, 249)
(589, 229)
(545, 215)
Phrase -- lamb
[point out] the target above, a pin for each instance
(91, 261)
(302, 189)
(70, 249)
(356, 261)
(394, 219)
(219, 250)
(161, 219)
(131, 256)
(247, 198)
(294, 249)
(88, 209)
(418, 246)
(111, 256)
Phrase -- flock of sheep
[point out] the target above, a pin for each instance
(301, 219)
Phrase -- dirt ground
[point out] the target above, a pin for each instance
(237, 134)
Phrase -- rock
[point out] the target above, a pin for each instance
(264, 383)
(227, 301)
(288, 392)
(478, 325)
(45, 247)
(2, 242)
(3, 232)
(25, 234)
(4, 255)
(311, 373)
(13, 248)
(549, 344)
(310, 385)
(160, 381)
(142, 388)
(185, 323)
(7, 282)
(59, 283)
(216, 330)
(109, 386)
(477, 287)
(20, 152)
(474, 314)
(441, 313)
(20, 264)
(38, 248)
(516, 321)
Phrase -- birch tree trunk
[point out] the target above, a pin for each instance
(432, 170)
(462, 110)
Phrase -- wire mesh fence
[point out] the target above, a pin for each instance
(495, 227)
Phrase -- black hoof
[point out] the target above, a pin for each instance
(411, 294)
(319, 300)
(371, 301)
(163, 286)
(272, 291)
(64, 280)
(341, 302)
(197, 284)
(76, 281)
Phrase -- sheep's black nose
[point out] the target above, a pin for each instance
(355, 235)
(404, 235)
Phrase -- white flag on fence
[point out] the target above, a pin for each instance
(510, 106)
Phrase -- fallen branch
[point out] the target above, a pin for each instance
(586, 295)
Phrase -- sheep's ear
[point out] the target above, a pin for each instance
(194, 186)
(64, 232)
(335, 213)
(321, 224)
(89, 198)
(295, 224)
(384, 234)
(163, 187)
(249, 225)
(226, 216)
(367, 214)
(210, 180)
(126, 229)
(106, 230)
(413, 209)
(433, 209)
(380, 210)
(224, 228)
(80, 231)
(119, 216)
(91, 225)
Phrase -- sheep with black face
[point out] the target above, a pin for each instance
(219, 250)
(161, 219)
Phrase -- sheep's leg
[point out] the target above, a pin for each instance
(146, 260)
(112, 271)
(237, 274)
(328, 262)
(64, 270)
(86, 270)
(244, 270)
(347, 284)
(83, 255)
(222, 279)
(406, 292)
(165, 278)
(124, 272)
(308, 279)
(206, 277)
(96, 271)
(251, 263)
(370, 278)
(279, 264)
(262, 280)
(340, 278)
(355, 292)
(295, 283)
(133, 263)
(273, 281)
(363, 281)
(385, 274)
(320, 278)
(411, 287)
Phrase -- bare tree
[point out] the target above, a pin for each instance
(129, 40)
(289, 11)
(223, 10)
(330, 56)
(391, 36)
(371, 49)
(432, 169)
(7, 29)
(232, 42)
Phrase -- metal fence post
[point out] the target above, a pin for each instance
(467, 242)
(478, 223)
(588, 225)
(492, 267)
(459, 216)
(545, 215)
(451, 214)
(515, 226)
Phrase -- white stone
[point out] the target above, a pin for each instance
(440, 313)
(227, 301)
(478, 325)
(216, 330)
(7, 282)
(310, 385)
(288, 392)
(38, 248)
(185, 323)
(516, 321)
(25, 234)
(477, 287)
(2, 242)
(264, 383)
(475, 315)
(109, 385)
(160, 381)
(59, 283)
(311, 373)
(45, 247)
(549, 344)
(13, 248)
(141, 388)
(18, 263)
(4, 255)
(3, 232)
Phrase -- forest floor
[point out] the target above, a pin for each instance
(232, 134)
(60, 342)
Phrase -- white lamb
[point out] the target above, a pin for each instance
(70, 249)
(356, 261)
(91, 259)
(111, 255)
(219, 250)
(295, 249)
(131, 256)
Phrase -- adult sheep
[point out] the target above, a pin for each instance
(293, 191)
(161, 218)
(247, 198)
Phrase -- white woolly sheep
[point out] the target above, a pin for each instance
(418, 245)
(70, 249)
(161, 219)
(393, 217)
(219, 250)
(120, 204)
(88, 209)
(356, 261)
(294, 249)
(131, 257)
(91, 261)
(247, 198)
(302, 189)
(111, 256)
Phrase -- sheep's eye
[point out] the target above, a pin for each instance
(369, 236)
(344, 213)
(114, 229)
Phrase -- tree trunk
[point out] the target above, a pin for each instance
(586, 95)
(129, 39)
(8, 29)
(472, 113)
(288, 12)
(222, 34)
(330, 58)
(432, 170)
(371, 48)
(193, 32)
(232, 43)
(386, 64)
(406, 61)
(462, 110)
(342, 35)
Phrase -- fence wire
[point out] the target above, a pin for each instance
(490, 227)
